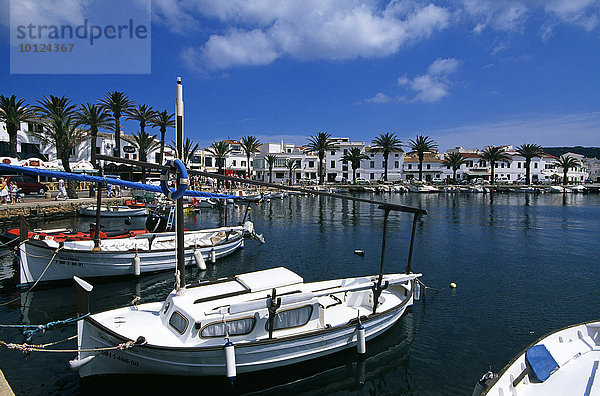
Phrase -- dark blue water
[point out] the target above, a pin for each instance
(524, 265)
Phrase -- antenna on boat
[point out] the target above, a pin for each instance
(179, 205)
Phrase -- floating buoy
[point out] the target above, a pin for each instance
(452, 285)
(137, 263)
(361, 342)
(213, 256)
(199, 260)
(230, 361)
(359, 252)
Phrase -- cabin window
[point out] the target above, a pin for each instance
(178, 322)
(234, 327)
(289, 318)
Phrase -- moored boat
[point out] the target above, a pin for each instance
(246, 323)
(564, 362)
(113, 211)
(50, 260)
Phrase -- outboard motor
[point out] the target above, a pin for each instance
(156, 223)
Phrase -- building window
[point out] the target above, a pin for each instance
(372, 176)
(345, 175)
(482, 163)
(243, 163)
(535, 165)
(383, 164)
(126, 156)
(279, 175)
(409, 166)
(428, 166)
(396, 164)
(396, 155)
(496, 165)
(333, 164)
(518, 164)
(345, 151)
(332, 152)
(372, 164)
(311, 164)
(232, 162)
(208, 161)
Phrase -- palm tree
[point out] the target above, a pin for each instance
(249, 144)
(94, 117)
(13, 112)
(60, 130)
(493, 155)
(141, 113)
(188, 150)
(422, 145)
(385, 143)
(454, 160)
(145, 144)
(118, 104)
(567, 162)
(163, 120)
(220, 150)
(529, 151)
(354, 156)
(270, 160)
(320, 143)
(291, 165)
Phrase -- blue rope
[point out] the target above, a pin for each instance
(33, 329)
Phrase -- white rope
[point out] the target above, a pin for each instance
(41, 348)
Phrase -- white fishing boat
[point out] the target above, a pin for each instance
(578, 189)
(562, 363)
(240, 324)
(112, 211)
(49, 260)
(557, 189)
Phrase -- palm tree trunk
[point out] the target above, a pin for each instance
(162, 145)
(527, 171)
(12, 136)
(270, 175)
(94, 142)
(248, 163)
(71, 184)
(420, 170)
(117, 136)
(321, 175)
(565, 176)
(385, 157)
(492, 164)
(353, 175)
(454, 176)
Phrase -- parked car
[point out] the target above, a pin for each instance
(503, 180)
(360, 180)
(27, 184)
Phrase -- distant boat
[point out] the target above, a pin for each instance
(420, 187)
(112, 211)
(557, 189)
(578, 189)
(561, 363)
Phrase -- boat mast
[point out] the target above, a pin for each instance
(179, 205)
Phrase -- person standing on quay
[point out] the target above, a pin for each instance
(3, 191)
(62, 192)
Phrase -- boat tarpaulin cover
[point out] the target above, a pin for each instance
(541, 362)
(104, 180)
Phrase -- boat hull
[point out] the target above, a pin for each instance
(210, 361)
(35, 258)
(90, 211)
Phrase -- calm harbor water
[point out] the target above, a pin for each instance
(524, 264)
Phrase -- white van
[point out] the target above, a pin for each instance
(503, 180)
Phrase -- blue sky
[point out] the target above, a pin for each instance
(465, 72)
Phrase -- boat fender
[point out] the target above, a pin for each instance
(76, 364)
(417, 291)
(199, 260)
(137, 263)
(213, 256)
(230, 368)
(361, 344)
(182, 180)
(452, 285)
(359, 252)
(482, 383)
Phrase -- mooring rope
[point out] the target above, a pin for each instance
(33, 329)
(26, 348)
(38, 279)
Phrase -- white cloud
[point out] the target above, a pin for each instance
(261, 31)
(434, 85)
(546, 130)
(379, 98)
